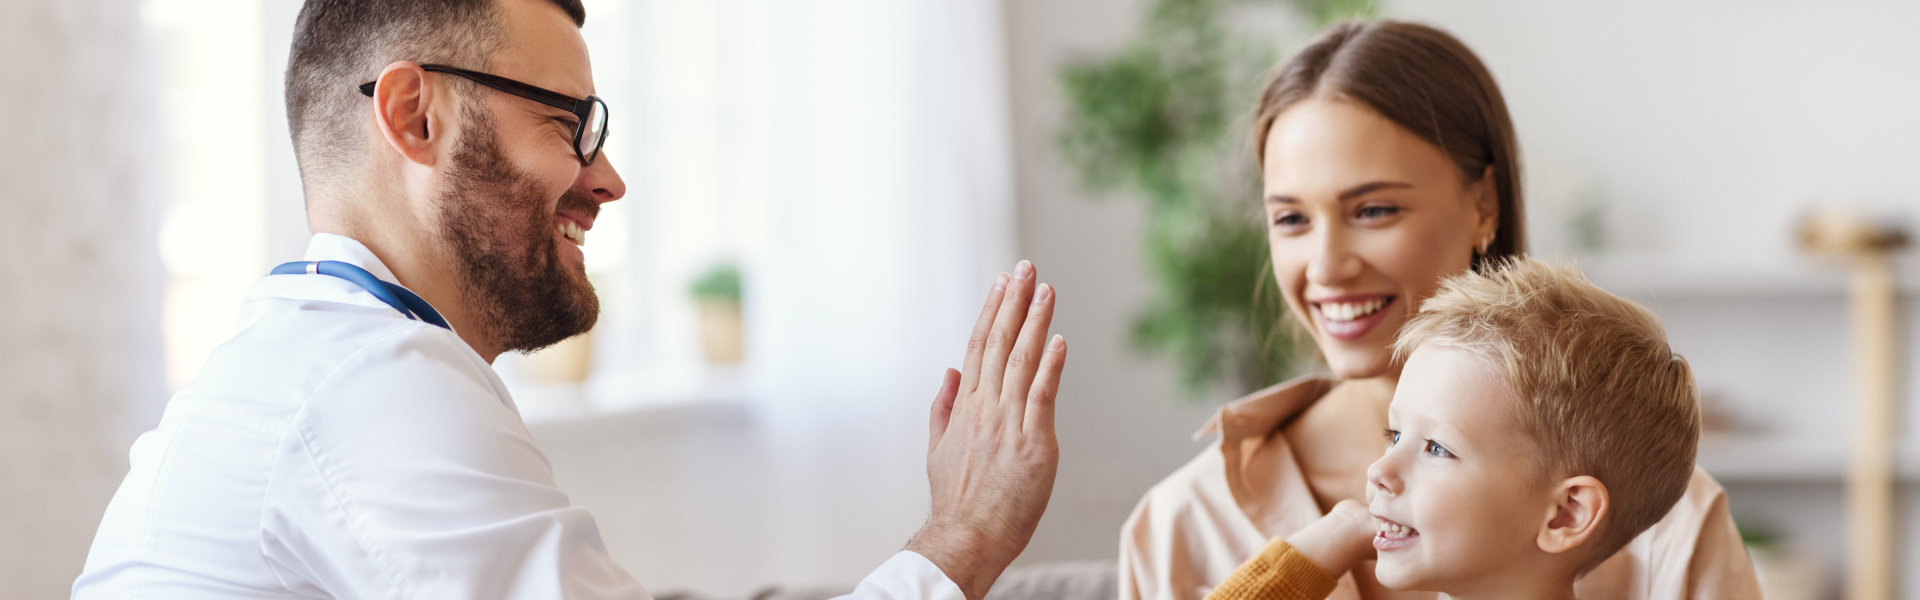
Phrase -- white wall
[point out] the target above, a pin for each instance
(79, 279)
(1123, 421)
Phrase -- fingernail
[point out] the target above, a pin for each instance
(1059, 342)
(1023, 270)
(1045, 294)
(1000, 283)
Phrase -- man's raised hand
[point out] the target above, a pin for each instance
(992, 454)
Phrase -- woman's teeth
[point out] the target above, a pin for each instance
(1348, 311)
(573, 232)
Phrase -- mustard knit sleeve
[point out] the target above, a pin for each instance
(1278, 573)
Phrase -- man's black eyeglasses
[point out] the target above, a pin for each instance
(588, 135)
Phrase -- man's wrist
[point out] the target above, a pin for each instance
(963, 553)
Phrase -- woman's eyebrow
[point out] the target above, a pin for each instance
(1348, 194)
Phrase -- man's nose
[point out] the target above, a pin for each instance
(601, 181)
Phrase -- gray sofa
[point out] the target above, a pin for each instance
(1070, 580)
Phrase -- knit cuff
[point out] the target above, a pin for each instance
(1278, 573)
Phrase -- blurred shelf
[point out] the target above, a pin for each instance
(660, 391)
(1648, 277)
(1764, 459)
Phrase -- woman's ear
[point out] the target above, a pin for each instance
(1579, 504)
(1487, 204)
(402, 112)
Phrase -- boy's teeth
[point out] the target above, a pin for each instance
(1394, 529)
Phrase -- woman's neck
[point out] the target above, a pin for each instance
(1373, 394)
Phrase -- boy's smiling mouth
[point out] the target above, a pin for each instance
(1393, 535)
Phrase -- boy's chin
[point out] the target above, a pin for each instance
(1397, 573)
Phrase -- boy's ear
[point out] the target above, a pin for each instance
(1579, 504)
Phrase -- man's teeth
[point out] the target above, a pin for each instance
(573, 232)
(1348, 311)
(1394, 529)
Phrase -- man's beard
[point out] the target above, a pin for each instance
(515, 288)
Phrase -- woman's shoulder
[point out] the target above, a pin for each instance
(1199, 489)
(1694, 551)
(1262, 411)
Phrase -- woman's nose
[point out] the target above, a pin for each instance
(1334, 260)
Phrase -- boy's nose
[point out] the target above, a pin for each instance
(1383, 477)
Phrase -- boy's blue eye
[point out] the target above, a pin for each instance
(1437, 450)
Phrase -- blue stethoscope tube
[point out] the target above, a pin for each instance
(400, 298)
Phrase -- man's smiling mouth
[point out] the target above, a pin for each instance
(572, 231)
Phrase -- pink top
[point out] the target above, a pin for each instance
(1219, 510)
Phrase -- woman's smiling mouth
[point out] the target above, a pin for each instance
(1351, 317)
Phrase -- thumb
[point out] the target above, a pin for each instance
(942, 407)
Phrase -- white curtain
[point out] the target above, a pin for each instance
(858, 152)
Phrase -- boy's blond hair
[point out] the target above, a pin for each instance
(1601, 393)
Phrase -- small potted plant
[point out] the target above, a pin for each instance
(716, 293)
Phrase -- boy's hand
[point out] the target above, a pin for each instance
(1339, 540)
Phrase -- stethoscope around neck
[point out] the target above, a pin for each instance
(400, 298)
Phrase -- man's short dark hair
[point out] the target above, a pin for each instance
(339, 44)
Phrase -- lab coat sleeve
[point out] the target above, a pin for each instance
(906, 576)
(410, 475)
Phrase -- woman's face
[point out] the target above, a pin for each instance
(1364, 220)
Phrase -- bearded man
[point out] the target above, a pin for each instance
(352, 440)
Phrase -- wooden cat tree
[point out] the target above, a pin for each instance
(1870, 248)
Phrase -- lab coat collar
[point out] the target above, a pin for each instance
(333, 246)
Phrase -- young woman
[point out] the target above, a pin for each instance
(1389, 162)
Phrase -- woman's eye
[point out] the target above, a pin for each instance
(1437, 450)
(1289, 220)
(1377, 212)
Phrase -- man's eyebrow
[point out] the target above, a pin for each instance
(1348, 194)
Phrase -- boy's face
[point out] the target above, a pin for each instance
(1456, 497)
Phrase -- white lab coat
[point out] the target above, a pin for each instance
(334, 448)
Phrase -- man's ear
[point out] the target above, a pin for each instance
(1579, 504)
(402, 111)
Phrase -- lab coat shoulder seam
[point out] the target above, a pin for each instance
(349, 517)
(306, 438)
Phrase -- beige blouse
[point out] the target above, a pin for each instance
(1196, 526)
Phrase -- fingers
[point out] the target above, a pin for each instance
(942, 408)
(1025, 358)
(977, 342)
(1046, 388)
(1006, 329)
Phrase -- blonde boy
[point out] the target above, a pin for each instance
(1539, 425)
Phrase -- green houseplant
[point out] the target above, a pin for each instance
(1163, 119)
(716, 293)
